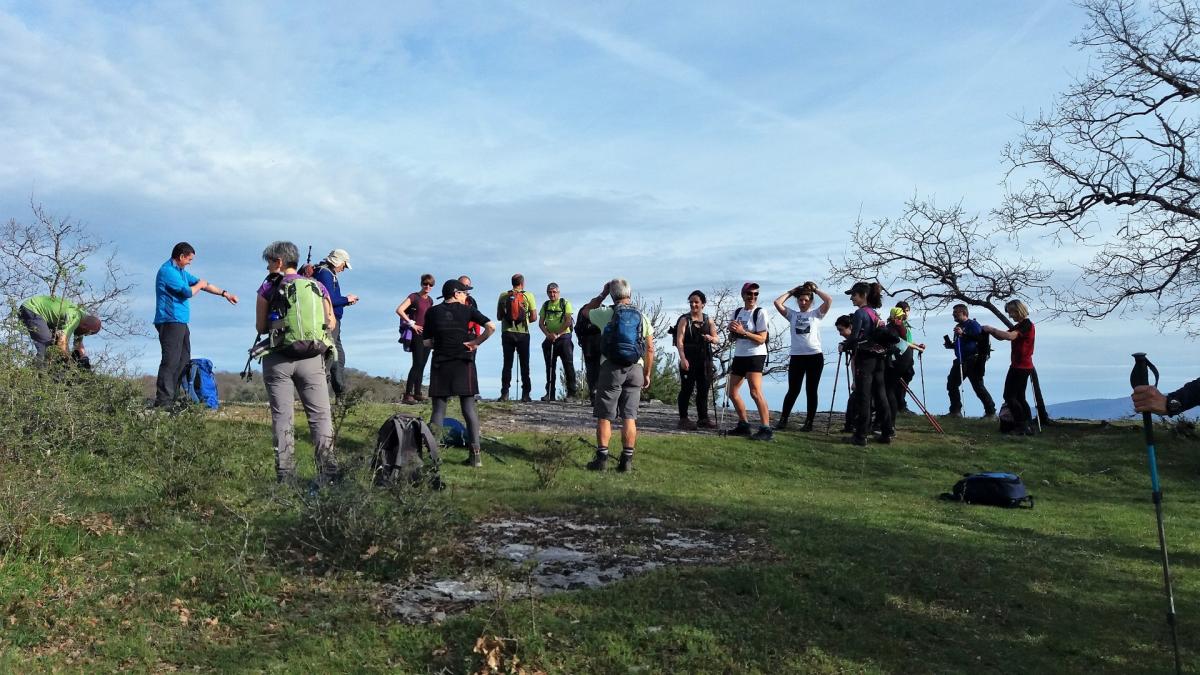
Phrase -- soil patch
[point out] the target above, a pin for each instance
(527, 556)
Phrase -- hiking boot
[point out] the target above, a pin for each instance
(742, 429)
(599, 462)
(781, 425)
(989, 414)
(409, 399)
(706, 423)
(625, 464)
(420, 398)
(525, 398)
(886, 439)
(686, 425)
(764, 433)
(504, 396)
(855, 440)
(808, 426)
(473, 459)
(954, 413)
(546, 398)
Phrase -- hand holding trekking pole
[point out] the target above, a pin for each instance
(1140, 378)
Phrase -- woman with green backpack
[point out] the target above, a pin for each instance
(296, 313)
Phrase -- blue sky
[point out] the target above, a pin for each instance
(678, 144)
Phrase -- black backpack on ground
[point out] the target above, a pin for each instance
(992, 488)
(398, 452)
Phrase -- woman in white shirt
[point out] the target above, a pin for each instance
(807, 360)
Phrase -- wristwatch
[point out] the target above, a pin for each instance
(1174, 407)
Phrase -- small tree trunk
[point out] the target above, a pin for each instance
(1043, 416)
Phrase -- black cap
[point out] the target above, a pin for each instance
(451, 287)
(860, 288)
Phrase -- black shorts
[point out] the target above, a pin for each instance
(747, 364)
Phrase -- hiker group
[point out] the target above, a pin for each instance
(299, 308)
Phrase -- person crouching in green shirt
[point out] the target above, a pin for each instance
(51, 320)
(556, 323)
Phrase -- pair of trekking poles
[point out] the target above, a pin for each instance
(850, 381)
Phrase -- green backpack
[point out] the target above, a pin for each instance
(298, 327)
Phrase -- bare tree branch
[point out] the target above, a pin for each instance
(1120, 143)
(51, 256)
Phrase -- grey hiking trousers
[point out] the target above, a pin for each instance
(284, 378)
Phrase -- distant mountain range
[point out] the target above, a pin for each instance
(1093, 409)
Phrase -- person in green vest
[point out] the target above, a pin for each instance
(52, 321)
(556, 322)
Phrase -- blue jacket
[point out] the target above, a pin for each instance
(968, 342)
(172, 290)
(330, 281)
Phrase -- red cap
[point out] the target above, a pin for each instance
(749, 286)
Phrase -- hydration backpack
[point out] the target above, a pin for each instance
(992, 488)
(398, 452)
(561, 311)
(880, 338)
(623, 343)
(200, 384)
(514, 308)
(299, 331)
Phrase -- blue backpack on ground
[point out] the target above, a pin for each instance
(200, 383)
(622, 337)
(454, 434)
(992, 488)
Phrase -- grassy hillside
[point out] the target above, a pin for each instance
(142, 542)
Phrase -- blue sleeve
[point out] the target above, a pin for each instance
(174, 284)
(860, 329)
(335, 293)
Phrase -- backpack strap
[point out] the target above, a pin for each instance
(431, 443)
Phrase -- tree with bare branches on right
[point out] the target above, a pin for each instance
(1115, 163)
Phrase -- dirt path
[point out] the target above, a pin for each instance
(558, 416)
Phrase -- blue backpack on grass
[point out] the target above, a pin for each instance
(991, 488)
(200, 383)
(622, 339)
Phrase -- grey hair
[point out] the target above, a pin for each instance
(619, 289)
(282, 250)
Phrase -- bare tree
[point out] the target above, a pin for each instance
(1120, 144)
(940, 257)
(53, 256)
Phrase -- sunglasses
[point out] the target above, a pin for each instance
(426, 285)
(751, 293)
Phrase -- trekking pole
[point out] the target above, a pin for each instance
(550, 373)
(921, 405)
(247, 372)
(833, 401)
(1137, 378)
(921, 360)
(958, 356)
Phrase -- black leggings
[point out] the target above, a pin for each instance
(800, 367)
(470, 416)
(870, 394)
(420, 354)
(695, 378)
(1014, 395)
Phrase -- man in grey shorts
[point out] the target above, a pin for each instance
(619, 388)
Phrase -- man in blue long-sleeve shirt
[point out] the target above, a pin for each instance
(174, 286)
(970, 361)
(327, 272)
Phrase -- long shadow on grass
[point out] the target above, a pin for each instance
(921, 599)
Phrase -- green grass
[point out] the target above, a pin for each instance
(115, 559)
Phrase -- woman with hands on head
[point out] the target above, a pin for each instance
(806, 357)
